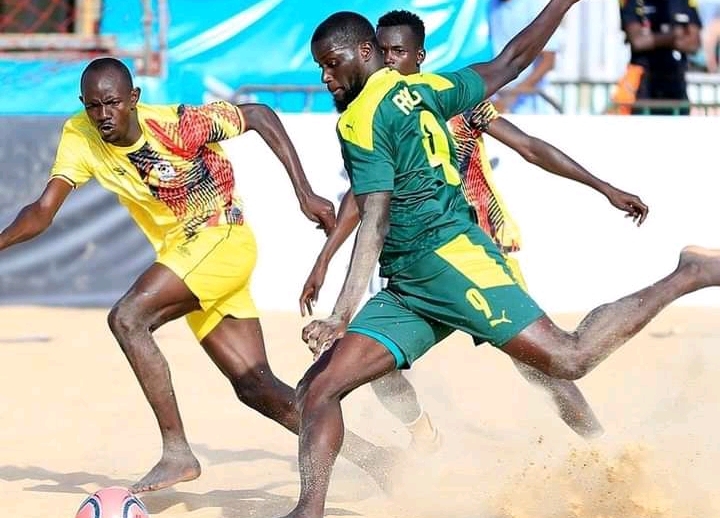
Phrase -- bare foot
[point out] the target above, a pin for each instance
(169, 471)
(425, 438)
(704, 263)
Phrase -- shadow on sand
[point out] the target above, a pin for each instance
(237, 503)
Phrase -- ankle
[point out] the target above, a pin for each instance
(422, 426)
(176, 447)
(425, 438)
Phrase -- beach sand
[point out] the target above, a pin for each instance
(74, 420)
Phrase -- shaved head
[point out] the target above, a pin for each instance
(108, 66)
(345, 28)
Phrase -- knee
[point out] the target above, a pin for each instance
(531, 374)
(123, 319)
(569, 367)
(315, 390)
(255, 386)
(380, 386)
(577, 371)
(306, 391)
(391, 384)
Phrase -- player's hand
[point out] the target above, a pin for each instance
(320, 335)
(629, 203)
(318, 209)
(311, 289)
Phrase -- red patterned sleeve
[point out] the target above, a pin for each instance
(480, 117)
(213, 122)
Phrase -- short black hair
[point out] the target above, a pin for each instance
(345, 28)
(105, 64)
(402, 17)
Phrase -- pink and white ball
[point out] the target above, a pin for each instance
(112, 502)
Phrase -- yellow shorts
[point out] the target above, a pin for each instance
(216, 264)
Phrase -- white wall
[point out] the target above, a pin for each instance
(578, 250)
(593, 43)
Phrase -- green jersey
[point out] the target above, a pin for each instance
(393, 137)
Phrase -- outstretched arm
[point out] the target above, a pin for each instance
(267, 124)
(520, 51)
(348, 218)
(374, 213)
(545, 155)
(35, 218)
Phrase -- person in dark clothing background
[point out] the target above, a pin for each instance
(661, 34)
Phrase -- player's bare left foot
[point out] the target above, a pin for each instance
(171, 469)
(704, 262)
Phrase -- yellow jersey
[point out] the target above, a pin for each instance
(174, 180)
(493, 217)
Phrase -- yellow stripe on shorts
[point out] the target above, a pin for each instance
(474, 263)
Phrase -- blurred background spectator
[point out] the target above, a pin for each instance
(661, 35)
(711, 40)
(526, 93)
(706, 59)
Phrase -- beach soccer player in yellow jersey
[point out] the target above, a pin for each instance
(166, 166)
(401, 37)
(444, 273)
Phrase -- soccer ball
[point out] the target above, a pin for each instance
(112, 502)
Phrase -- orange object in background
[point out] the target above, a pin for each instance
(626, 90)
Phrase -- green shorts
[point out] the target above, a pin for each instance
(464, 285)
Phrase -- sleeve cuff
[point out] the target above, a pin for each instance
(65, 179)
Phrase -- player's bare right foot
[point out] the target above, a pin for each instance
(704, 263)
(425, 438)
(169, 471)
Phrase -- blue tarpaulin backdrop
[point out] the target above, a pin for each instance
(217, 46)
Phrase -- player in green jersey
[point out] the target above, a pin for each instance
(401, 36)
(404, 176)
